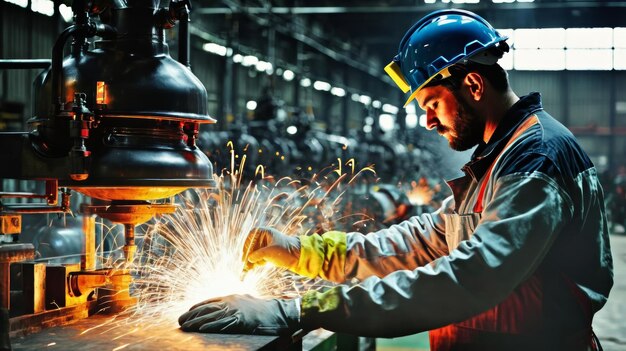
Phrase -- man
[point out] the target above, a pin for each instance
(517, 259)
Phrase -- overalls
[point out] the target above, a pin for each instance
(521, 321)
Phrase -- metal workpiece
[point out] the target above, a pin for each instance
(115, 297)
(83, 282)
(116, 283)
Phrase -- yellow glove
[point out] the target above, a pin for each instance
(269, 245)
(308, 255)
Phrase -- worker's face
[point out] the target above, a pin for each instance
(454, 118)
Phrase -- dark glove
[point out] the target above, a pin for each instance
(243, 314)
(269, 245)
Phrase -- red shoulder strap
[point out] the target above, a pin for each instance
(529, 122)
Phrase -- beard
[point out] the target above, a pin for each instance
(468, 128)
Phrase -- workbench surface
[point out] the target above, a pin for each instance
(132, 336)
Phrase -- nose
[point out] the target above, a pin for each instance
(431, 119)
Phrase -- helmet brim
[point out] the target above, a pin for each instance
(442, 74)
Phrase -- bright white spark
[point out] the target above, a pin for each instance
(195, 253)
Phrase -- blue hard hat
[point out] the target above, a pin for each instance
(439, 40)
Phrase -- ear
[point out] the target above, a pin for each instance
(475, 84)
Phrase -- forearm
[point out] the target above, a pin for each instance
(503, 252)
(338, 256)
(408, 245)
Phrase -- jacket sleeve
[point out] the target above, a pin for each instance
(338, 256)
(516, 231)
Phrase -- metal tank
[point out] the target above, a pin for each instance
(118, 121)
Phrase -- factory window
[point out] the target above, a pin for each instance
(554, 49)
(619, 59)
(589, 38)
(544, 38)
(20, 3)
(453, 1)
(619, 38)
(507, 32)
(539, 59)
(589, 59)
(45, 7)
(510, 1)
(66, 13)
(506, 61)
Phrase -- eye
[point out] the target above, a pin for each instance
(435, 104)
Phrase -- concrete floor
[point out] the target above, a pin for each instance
(610, 323)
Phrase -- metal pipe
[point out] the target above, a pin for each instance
(228, 81)
(64, 208)
(25, 64)
(129, 245)
(57, 65)
(79, 255)
(183, 38)
(34, 209)
(50, 195)
(88, 260)
(22, 195)
(318, 10)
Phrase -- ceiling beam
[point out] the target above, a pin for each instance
(316, 10)
(298, 32)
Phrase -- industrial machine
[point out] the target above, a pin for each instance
(117, 121)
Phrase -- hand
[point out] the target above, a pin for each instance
(242, 314)
(269, 245)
